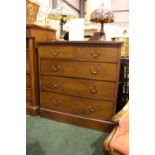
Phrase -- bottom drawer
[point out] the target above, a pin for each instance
(76, 105)
(28, 96)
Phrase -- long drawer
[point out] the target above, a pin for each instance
(97, 54)
(97, 109)
(80, 87)
(91, 70)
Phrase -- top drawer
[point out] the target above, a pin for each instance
(56, 51)
(108, 54)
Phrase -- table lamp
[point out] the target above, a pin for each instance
(62, 13)
(101, 15)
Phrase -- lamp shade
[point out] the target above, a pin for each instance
(62, 13)
(62, 10)
(102, 15)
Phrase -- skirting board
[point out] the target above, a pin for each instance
(77, 120)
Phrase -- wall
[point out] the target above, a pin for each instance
(75, 3)
(44, 3)
(122, 8)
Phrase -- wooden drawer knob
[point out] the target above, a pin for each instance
(91, 109)
(55, 53)
(95, 54)
(56, 102)
(93, 90)
(94, 71)
(55, 85)
(55, 68)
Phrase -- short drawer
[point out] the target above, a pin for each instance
(28, 81)
(79, 87)
(97, 54)
(56, 51)
(75, 105)
(101, 71)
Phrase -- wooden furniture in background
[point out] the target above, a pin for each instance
(40, 33)
(34, 33)
(31, 90)
(79, 82)
(123, 93)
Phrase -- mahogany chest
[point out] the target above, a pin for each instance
(78, 81)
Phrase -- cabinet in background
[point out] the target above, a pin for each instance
(34, 33)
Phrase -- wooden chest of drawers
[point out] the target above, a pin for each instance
(79, 82)
(34, 33)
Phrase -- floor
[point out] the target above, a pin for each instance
(48, 137)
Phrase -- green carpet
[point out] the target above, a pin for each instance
(48, 137)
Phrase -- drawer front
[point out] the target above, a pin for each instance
(75, 105)
(28, 81)
(86, 88)
(97, 54)
(101, 71)
(56, 51)
(28, 97)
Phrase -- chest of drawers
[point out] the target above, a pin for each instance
(79, 82)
